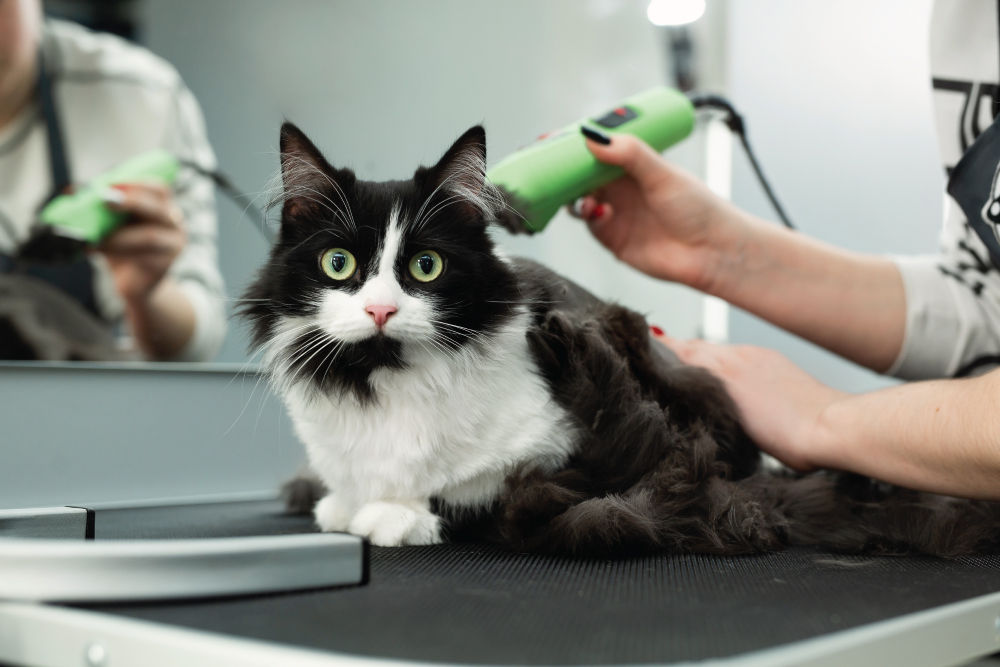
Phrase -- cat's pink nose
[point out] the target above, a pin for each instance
(380, 314)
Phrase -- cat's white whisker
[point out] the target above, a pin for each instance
(260, 378)
(297, 362)
(347, 205)
(525, 302)
(328, 204)
(454, 327)
(313, 339)
(314, 235)
(277, 357)
(433, 346)
(308, 167)
(330, 357)
(423, 206)
(437, 208)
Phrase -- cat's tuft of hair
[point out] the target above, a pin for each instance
(444, 391)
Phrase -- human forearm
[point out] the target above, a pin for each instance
(851, 304)
(163, 321)
(666, 223)
(941, 436)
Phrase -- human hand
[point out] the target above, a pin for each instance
(779, 404)
(140, 252)
(657, 218)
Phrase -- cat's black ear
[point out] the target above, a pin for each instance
(462, 172)
(307, 178)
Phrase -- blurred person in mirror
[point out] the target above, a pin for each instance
(73, 104)
(932, 318)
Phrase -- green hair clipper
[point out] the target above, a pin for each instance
(557, 169)
(75, 220)
(83, 214)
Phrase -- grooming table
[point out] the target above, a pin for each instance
(473, 604)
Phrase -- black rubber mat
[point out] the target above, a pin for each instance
(475, 604)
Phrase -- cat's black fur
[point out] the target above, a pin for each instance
(661, 462)
(660, 449)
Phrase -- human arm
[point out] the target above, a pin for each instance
(669, 225)
(940, 435)
(164, 323)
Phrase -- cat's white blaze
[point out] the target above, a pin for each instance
(447, 426)
(391, 244)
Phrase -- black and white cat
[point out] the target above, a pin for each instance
(439, 387)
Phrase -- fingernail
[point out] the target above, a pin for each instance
(577, 207)
(657, 331)
(595, 135)
(598, 211)
(112, 196)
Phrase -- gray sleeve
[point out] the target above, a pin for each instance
(952, 306)
(196, 269)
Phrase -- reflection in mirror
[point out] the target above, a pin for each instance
(106, 235)
(152, 265)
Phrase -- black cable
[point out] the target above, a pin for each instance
(226, 186)
(734, 121)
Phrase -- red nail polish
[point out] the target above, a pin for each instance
(598, 211)
(657, 331)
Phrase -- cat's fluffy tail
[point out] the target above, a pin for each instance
(302, 492)
(840, 512)
(853, 514)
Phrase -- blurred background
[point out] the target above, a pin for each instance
(836, 96)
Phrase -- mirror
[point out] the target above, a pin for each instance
(382, 87)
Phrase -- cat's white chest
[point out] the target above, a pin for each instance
(450, 427)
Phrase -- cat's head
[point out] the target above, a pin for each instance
(368, 275)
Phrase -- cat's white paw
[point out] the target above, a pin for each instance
(332, 516)
(388, 524)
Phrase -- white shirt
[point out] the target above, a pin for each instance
(116, 100)
(953, 298)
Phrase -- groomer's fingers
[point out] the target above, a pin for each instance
(594, 212)
(590, 207)
(638, 160)
(677, 346)
(147, 202)
(144, 239)
(582, 207)
(694, 352)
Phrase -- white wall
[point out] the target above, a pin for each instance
(385, 85)
(837, 96)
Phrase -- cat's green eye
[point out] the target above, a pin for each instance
(338, 263)
(426, 266)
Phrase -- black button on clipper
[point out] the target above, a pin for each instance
(616, 117)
